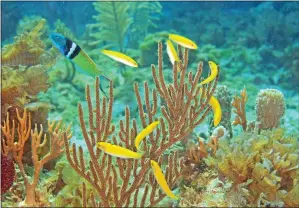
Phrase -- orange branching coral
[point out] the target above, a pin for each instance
(23, 133)
(204, 149)
(239, 105)
(123, 182)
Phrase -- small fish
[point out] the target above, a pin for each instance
(145, 132)
(216, 110)
(118, 151)
(76, 55)
(214, 72)
(187, 43)
(120, 57)
(161, 180)
(173, 56)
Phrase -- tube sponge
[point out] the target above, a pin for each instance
(270, 107)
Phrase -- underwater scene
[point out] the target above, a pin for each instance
(149, 104)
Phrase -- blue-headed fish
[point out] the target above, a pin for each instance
(76, 55)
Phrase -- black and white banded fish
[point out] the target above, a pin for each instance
(76, 55)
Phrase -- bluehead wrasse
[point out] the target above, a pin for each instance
(76, 55)
(214, 73)
(118, 151)
(120, 57)
(145, 132)
(173, 56)
(161, 180)
(214, 103)
(187, 43)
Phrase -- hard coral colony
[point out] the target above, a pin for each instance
(172, 141)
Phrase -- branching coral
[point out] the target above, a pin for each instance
(118, 182)
(194, 157)
(239, 105)
(23, 127)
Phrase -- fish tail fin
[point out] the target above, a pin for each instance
(104, 83)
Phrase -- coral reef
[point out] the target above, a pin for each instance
(270, 107)
(28, 49)
(111, 178)
(7, 173)
(24, 74)
(28, 22)
(211, 194)
(23, 126)
(195, 155)
(266, 164)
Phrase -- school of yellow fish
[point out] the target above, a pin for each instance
(125, 153)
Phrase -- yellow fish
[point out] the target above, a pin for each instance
(118, 151)
(161, 180)
(145, 132)
(214, 72)
(216, 110)
(173, 56)
(120, 57)
(187, 43)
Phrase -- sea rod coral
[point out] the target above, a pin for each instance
(23, 127)
(123, 182)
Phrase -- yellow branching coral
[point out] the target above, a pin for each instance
(21, 131)
(268, 163)
(125, 184)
